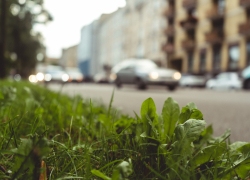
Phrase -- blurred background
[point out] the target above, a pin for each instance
(186, 44)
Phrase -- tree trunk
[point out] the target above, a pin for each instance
(3, 39)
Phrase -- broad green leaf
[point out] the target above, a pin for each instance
(240, 162)
(100, 174)
(28, 152)
(185, 115)
(196, 114)
(212, 152)
(170, 114)
(139, 131)
(245, 149)
(187, 133)
(221, 138)
(191, 106)
(154, 130)
(137, 117)
(243, 169)
(1, 95)
(233, 147)
(208, 131)
(148, 109)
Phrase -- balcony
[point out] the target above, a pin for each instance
(215, 37)
(189, 24)
(245, 3)
(170, 31)
(168, 48)
(215, 14)
(189, 4)
(244, 29)
(169, 13)
(188, 44)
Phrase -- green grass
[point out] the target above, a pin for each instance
(79, 139)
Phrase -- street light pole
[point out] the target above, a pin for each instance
(3, 39)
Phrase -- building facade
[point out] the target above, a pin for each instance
(69, 57)
(134, 31)
(207, 36)
(144, 29)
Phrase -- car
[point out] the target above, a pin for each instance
(55, 74)
(75, 75)
(101, 78)
(143, 72)
(246, 76)
(225, 80)
(188, 80)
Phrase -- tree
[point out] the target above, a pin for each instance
(20, 45)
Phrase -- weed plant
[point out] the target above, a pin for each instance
(78, 139)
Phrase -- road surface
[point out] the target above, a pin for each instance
(223, 109)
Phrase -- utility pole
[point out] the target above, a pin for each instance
(3, 39)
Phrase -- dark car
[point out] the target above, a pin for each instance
(143, 72)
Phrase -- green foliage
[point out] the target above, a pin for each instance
(170, 115)
(81, 139)
(22, 44)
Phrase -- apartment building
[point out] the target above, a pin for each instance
(134, 31)
(87, 51)
(207, 36)
(144, 29)
(111, 39)
(69, 57)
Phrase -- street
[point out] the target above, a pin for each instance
(223, 109)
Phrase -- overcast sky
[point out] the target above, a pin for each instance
(69, 16)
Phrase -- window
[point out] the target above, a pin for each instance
(145, 64)
(190, 62)
(234, 54)
(216, 58)
(221, 6)
(203, 61)
(248, 53)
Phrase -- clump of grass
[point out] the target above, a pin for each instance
(79, 139)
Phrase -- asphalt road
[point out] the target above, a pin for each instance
(223, 109)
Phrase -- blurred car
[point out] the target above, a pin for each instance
(246, 76)
(188, 80)
(143, 72)
(101, 78)
(55, 74)
(75, 74)
(225, 80)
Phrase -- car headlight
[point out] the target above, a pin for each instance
(65, 77)
(40, 76)
(47, 77)
(113, 76)
(32, 78)
(177, 75)
(154, 75)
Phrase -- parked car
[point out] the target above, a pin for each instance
(143, 72)
(55, 74)
(75, 74)
(101, 78)
(246, 78)
(188, 80)
(225, 80)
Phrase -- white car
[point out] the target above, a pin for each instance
(192, 81)
(225, 80)
(75, 74)
(55, 74)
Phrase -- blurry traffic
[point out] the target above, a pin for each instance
(143, 72)
(144, 43)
